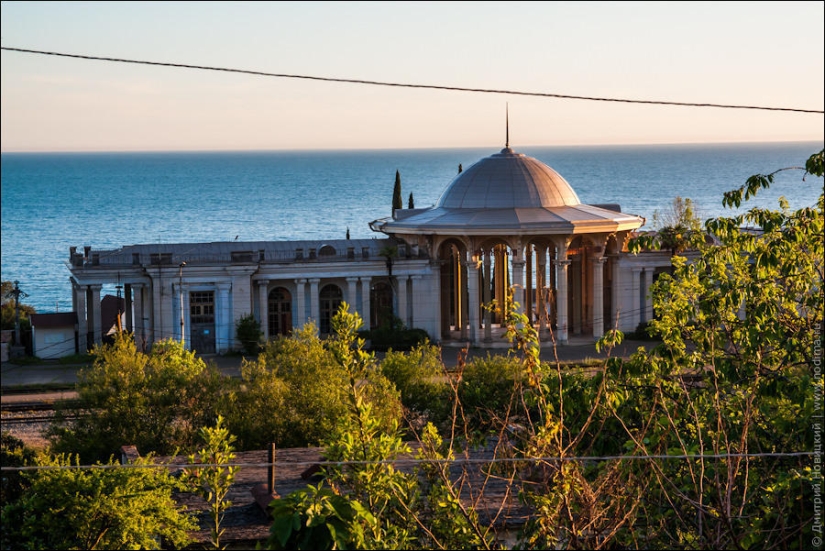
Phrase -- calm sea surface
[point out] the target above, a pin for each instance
(53, 201)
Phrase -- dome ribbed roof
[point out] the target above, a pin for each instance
(508, 180)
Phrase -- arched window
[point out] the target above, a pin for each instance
(330, 297)
(280, 311)
(327, 250)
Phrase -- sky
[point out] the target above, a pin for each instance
(764, 54)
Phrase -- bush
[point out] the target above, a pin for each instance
(394, 336)
(248, 331)
(419, 377)
(156, 401)
(488, 387)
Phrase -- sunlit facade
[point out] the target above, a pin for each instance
(508, 222)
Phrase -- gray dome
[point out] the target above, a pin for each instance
(508, 180)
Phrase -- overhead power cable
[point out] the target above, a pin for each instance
(418, 461)
(407, 85)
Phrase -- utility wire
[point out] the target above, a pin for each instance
(407, 85)
(407, 462)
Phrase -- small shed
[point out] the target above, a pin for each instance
(54, 335)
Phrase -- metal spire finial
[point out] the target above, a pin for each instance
(507, 142)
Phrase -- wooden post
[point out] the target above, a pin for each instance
(271, 469)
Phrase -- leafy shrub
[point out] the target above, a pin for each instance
(394, 336)
(488, 387)
(419, 376)
(248, 331)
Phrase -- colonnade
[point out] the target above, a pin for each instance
(86, 302)
(356, 292)
(565, 285)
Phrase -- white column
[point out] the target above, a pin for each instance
(352, 294)
(648, 296)
(263, 307)
(412, 302)
(519, 292)
(472, 302)
(314, 304)
(561, 302)
(300, 302)
(598, 297)
(158, 332)
(225, 334)
(94, 310)
(487, 298)
(541, 284)
(635, 301)
(79, 299)
(366, 284)
(402, 299)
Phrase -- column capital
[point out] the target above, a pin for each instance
(352, 279)
(301, 280)
(564, 263)
(314, 280)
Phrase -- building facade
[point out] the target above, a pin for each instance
(508, 222)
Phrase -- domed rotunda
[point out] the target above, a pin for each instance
(511, 221)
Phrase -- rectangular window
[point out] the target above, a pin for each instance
(202, 306)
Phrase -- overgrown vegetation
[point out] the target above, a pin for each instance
(248, 331)
(64, 506)
(394, 335)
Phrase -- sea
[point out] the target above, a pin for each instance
(52, 201)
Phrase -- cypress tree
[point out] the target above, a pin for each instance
(397, 202)
(411, 202)
(459, 168)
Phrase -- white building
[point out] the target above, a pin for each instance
(507, 221)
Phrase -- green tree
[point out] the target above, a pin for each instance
(214, 481)
(295, 393)
(257, 408)
(677, 226)
(104, 507)
(156, 401)
(13, 453)
(365, 504)
(397, 202)
(248, 331)
(411, 202)
(10, 306)
(419, 376)
(743, 319)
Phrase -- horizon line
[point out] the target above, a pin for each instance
(429, 148)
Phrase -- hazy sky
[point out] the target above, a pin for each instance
(744, 53)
